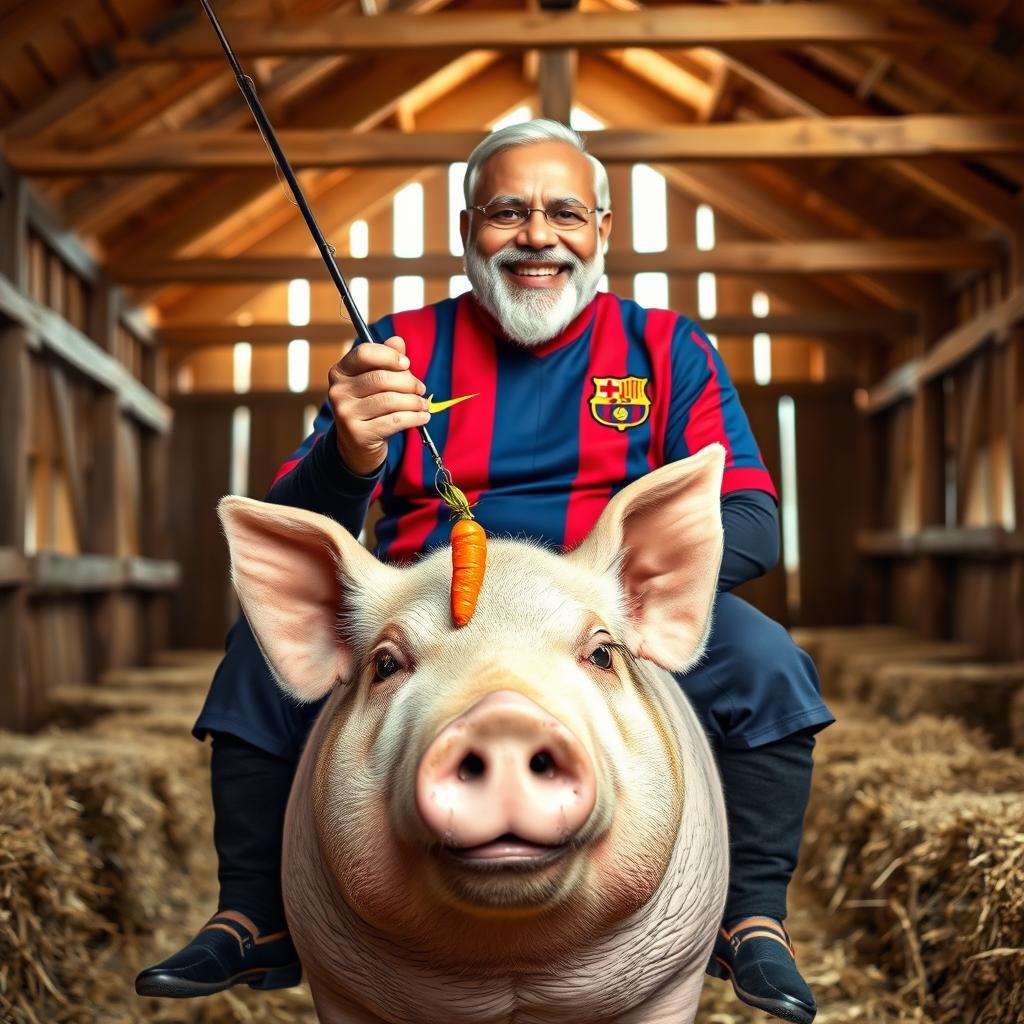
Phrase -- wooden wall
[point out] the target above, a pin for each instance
(946, 547)
(83, 567)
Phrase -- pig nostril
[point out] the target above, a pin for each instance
(542, 763)
(471, 767)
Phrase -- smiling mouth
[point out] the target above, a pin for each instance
(534, 270)
(506, 853)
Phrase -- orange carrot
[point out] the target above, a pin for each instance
(469, 557)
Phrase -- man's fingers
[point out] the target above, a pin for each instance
(393, 423)
(381, 404)
(376, 382)
(362, 358)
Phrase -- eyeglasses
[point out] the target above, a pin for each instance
(560, 216)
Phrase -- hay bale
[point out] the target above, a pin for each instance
(980, 694)
(916, 830)
(76, 707)
(852, 672)
(167, 679)
(829, 645)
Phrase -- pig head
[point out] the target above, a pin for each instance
(514, 821)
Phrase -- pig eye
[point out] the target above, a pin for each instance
(384, 665)
(601, 656)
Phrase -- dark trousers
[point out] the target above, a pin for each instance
(766, 791)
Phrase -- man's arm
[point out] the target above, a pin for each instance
(335, 471)
(706, 409)
(316, 478)
(751, 525)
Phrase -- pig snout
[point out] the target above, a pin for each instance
(505, 767)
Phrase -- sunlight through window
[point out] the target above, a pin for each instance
(517, 116)
(298, 365)
(360, 289)
(408, 221)
(456, 204)
(651, 290)
(298, 302)
(457, 285)
(359, 239)
(650, 210)
(707, 296)
(705, 228)
(408, 292)
(241, 370)
(790, 518)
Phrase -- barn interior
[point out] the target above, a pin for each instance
(834, 191)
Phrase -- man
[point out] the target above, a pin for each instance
(550, 398)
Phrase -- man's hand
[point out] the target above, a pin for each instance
(373, 395)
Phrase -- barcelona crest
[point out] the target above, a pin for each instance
(620, 402)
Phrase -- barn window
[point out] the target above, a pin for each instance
(759, 306)
(238, 481)
(788, 506)
(298, 365)
(707, 296)
(360, 289)
(705, 227)
(408, 221)
(408, 293)
(298, 302)
(583, 121)
(650, 210)
(457, 285)
(241, 369)
(517, 116)
(651, 290)
(456, 204)
(359, 239)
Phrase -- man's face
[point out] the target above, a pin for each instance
(535, 279)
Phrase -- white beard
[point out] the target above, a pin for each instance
(531, 316)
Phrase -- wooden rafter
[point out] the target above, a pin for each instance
(955, 186)
(790, 139)
(995, 325)
(797, 24)
(829, 256)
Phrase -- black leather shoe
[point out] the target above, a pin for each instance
(228, 950)
(756, 955)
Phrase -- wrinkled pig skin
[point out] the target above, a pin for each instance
(615, 920)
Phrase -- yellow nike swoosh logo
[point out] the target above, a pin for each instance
(433, 406)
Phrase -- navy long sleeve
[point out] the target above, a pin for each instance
(322, 483)
(751, 525)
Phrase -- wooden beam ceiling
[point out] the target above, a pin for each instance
(682, 25)
(826, 256)
(789, 139)
(955, 186)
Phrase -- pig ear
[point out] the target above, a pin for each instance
(294, 571)
(664, 534)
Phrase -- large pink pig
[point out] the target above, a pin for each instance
(518, 821)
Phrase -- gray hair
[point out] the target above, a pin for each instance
(528, 133)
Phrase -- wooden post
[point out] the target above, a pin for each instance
(14, 229)
(15, 705)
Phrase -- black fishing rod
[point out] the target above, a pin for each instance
(326, 249)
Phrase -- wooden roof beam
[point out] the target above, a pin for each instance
(789, 139)
(994, 325)
(957, 187)
(825, 256)
(681, 25)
